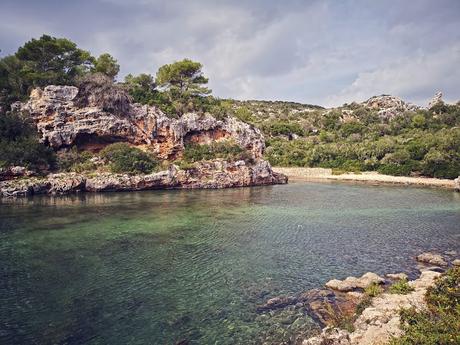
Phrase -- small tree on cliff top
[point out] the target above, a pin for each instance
(183, 80)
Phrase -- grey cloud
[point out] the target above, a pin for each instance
(325, 52)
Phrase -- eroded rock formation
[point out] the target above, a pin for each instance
(215, 174)
(389, 106)
(63, 121)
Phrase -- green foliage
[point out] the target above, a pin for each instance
(49, 60)
(183, 82)
(227, 150)
(401, 287)
(19, 144)
(107, 65)
(74, 160)
(40, 62)
(373, 290)
(440, 324)
(124, 158)
(276, 128)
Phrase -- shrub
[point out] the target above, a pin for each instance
(440, 323)
(401, 287)
(124, 158)
(19, 144)
(74, 160)
(373, 290)
(227, 150)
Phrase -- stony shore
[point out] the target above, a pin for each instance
(350, 316)
(212, 174)
(369, 177)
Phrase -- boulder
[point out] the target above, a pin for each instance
(457, 184)
(352, 283)
(456, 262)
(432, 259)
(396, 276)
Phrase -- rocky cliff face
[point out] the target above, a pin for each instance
(62, 123)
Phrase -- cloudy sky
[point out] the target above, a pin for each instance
(321, 52)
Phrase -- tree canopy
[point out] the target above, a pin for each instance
(183, 79)
(50, 60)
(107, 65)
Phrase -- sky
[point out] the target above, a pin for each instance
(318, 52)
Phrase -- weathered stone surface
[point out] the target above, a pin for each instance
(61, 123)
(380, 321)
(351, 283)
(432, 259)
(456, 262)
(437, 98)
(396, 276)
(14, 172)
(389, 106)
(214, 174)
(329, 336)
(457, 184)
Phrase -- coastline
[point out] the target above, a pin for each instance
(369, 177)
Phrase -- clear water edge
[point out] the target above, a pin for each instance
(164, 266)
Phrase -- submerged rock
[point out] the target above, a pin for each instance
(432, 259)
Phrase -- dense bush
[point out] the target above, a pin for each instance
(440, 323)
(227, 150)
(124, 158)
(422, 143)
(74, 160)
(19, 144)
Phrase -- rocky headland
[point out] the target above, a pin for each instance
(67, 117)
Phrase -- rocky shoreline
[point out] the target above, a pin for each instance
(212, 174)
(363, 310)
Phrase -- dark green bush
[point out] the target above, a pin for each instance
(440, 323)
(19, 144)
(124, 158)
(74, 160)
(227, 150)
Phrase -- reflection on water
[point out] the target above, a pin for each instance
(164, 266)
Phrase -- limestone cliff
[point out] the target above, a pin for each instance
(61, 123)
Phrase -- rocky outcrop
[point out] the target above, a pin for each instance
(437, 99)
(432, 259)
(9, 173)
(389, 106)
(352, 283)
(214, 174)
(380, 321)
(457, 184)
(62, 122)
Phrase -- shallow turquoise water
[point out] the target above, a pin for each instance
(167, 266)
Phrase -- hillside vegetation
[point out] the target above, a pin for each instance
(394, 138)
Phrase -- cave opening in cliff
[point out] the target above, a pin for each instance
(95, 143)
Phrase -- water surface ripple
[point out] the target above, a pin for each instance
(165, 266)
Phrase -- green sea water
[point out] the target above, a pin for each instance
(164, 267)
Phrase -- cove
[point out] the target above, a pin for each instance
(161, 267)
